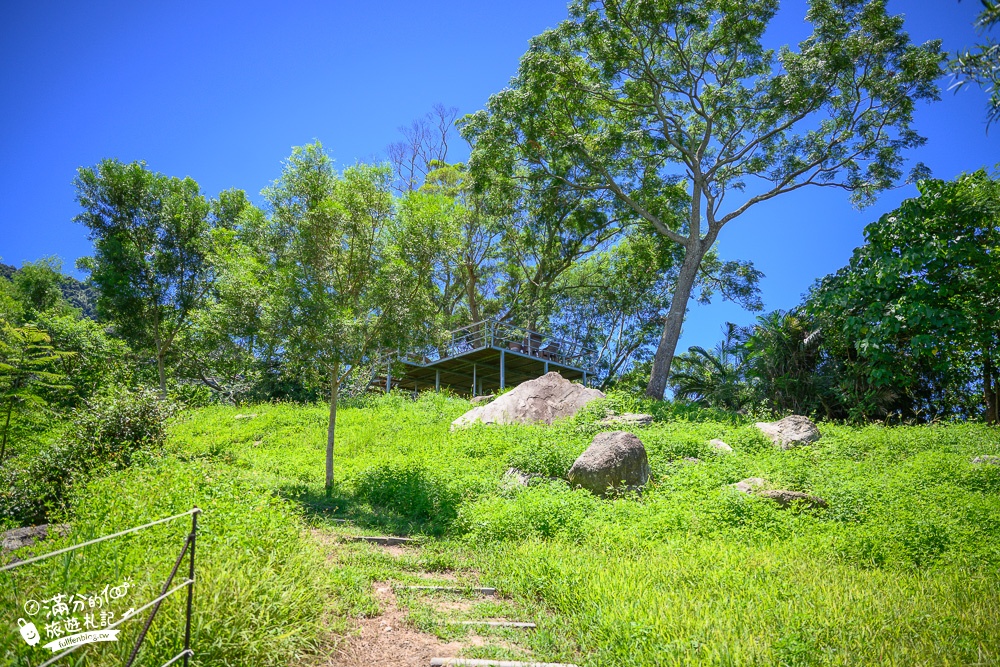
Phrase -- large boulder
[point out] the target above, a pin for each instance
(987, 459)
(615, 460)
(792, 431)
(543, 399)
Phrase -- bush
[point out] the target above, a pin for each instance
(110, 433)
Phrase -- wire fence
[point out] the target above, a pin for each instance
(153, 605)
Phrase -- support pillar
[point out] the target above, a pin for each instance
(503, 364)
(545, 365)
(585, 378)
(474, 385)
(388, 377)
(437, 380)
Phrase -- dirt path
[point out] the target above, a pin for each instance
(388, 639)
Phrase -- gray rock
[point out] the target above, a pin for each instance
(515, 477)
(479, 400)
(628, 419)
(19, 538)
(792, 431)
(788, 498)
(543, 399)
(749, 484)
(720, 446)
(615, 460)
(987, 459)
(249, 416)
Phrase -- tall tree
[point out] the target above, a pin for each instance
(632, 100)
(151, 239)
(354, 279)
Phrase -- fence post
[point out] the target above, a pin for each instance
(187, 621)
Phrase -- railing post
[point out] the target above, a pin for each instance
(190, 600)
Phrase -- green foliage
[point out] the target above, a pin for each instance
(112, 432)
(638, 108)
(262, 589)
(981, 65)
(96, 360)
(28, 374)
(915, 313)
(899, 569)
(150, 235)
(38, 286)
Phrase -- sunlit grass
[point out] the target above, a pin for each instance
(902, 568)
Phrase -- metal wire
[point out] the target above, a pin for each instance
(35, 559)
(183, 654)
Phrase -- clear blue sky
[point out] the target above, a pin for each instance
(221, 91)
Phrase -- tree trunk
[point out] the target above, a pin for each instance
(331, 428)
(991, 390)
(470, 293)
(160, 370)
(672, 327)
(6, 429)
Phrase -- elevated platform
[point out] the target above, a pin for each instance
(486, 356)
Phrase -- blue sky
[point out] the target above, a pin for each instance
(222, 91)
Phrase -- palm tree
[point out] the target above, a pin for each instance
(715, 378)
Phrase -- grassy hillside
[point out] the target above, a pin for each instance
(902, 568)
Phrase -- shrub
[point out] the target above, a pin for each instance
(110, 433)
(411, 491)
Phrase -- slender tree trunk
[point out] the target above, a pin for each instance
(6, 429)
(331, 428)
(991, 389)
(470, 293)
(672, 327)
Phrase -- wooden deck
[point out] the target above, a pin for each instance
(488, 356)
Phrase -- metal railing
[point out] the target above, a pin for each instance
(154, 604)
(491, 333)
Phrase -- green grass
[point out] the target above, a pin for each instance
(902, 568)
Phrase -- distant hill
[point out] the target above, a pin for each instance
(79, 294)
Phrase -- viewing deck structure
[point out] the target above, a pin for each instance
(488, 355)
